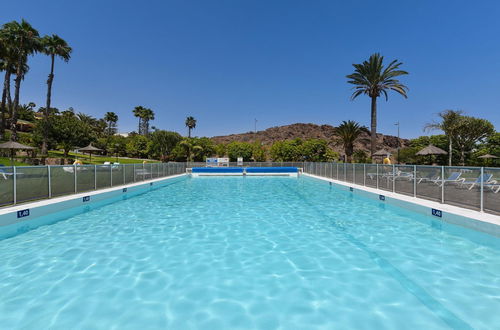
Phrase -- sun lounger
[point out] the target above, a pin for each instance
(453, 178)
(469, 184)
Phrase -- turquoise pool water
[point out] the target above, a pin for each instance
(231, 253)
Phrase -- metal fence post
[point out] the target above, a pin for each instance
(134, 172)
(442, 184)
(49, 182)
(377, 175)
(95, 177)
(364, 175)
(110, 175)
(15, 184)
(481, 203)
(345, 172)
(393, 178)
(76, 189)
(123, 169)
(414, 180)
(353, 173)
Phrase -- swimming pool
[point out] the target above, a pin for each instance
(249, 252)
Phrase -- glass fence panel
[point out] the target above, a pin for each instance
(62, 180)
(385, 177)
(85, 178)
(348, 172)
(428, 182)
(359, 175)
(6, 185)
(461, 186)
(403, 179)
(140, 172)
(103, 173)
(129, 173)
(117, 174)
(491, 190)
(371, 175)
(32, 183)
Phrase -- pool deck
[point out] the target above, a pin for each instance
(484, 222)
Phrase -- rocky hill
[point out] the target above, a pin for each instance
(310, 131)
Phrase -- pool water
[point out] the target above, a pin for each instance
(243, 253)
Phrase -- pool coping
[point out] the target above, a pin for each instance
(22, 217)
(479, 221)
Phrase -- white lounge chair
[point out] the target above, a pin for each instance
(469, 184)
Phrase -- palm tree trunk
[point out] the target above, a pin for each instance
(189, 132)
(373, 126)
(15, 104)
(450, 150)
(47, 108)
(6, 87)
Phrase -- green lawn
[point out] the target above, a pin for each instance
(6, 161)
(96, 159)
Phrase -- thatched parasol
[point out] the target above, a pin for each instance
(431, 150)
(381, 153)
(12, 146)
(488, 156)
(89, 149)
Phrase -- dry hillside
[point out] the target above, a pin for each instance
(309, 131)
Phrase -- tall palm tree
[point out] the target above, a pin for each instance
(52, 46)
(373, 79)
(24, 41)
(111, 119)
(139, 113)
(450, 124)
(147, 116)
(190, 124)
(348, 132)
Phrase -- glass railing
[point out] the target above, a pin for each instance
(476, 188)
(19, 184)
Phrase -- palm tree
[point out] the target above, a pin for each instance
(373, 79)
(52, 46)
(190, 124)
(450, 124)
(147, 115)
(348, 132)
(23, 40)
(139, 113)
(111, 119)
(190, 148)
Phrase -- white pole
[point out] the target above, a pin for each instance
(377, 174)
(442, 184)
(15, 184)
(74, 167)
(95, 177)
(414, 180)
(49, 181)
(481, 206)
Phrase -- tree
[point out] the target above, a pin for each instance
(373, 79)
(69, 131)
(52, 46)
(240, 149)
(450, 123)
(190, 148)
(314, 150)
(471, 131)
(7, 64)
(24, 41)
(162, 144)
(348, 132)
(138, 113)
(26, 112)
(147, 116)
(190, 124)
(111, 119)
(288, 150)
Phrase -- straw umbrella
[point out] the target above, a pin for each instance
(430, 151)
(488, 156)
(90, 149)
(382, 153)
(12, 146)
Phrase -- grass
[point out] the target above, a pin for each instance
(6, 161)
(96, 159)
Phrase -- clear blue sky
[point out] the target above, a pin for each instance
(282, 62)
